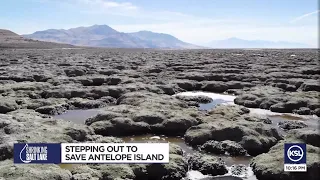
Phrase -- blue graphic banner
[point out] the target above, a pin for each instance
(37, 153)
(70, 153)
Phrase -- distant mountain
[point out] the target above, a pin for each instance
(97, 35)
(161, 40)
(241, 43)
(105, 36)
(9, 39)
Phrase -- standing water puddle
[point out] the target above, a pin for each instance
(214, 103)
(77, 116)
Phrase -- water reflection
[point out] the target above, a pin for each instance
(77, 116)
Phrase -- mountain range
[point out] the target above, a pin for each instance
(9, 39)
(242, 43)
(105, 36)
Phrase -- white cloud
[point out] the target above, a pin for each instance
(304, 16)
(106, 4)
(93, 4)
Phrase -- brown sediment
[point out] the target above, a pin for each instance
(287, 117)
(68, 166)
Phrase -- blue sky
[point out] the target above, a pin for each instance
(194, 21)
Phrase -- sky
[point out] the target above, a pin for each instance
(193, 21)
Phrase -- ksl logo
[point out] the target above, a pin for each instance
(295, 153)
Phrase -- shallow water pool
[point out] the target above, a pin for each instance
(77, 116)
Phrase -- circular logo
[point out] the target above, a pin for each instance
(294, 157)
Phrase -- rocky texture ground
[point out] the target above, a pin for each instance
(134, 88)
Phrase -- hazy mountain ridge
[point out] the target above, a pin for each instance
(9, 39)
(161, 40)
(241, 43)
(105, 36)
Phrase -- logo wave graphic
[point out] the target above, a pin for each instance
(25, 161)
